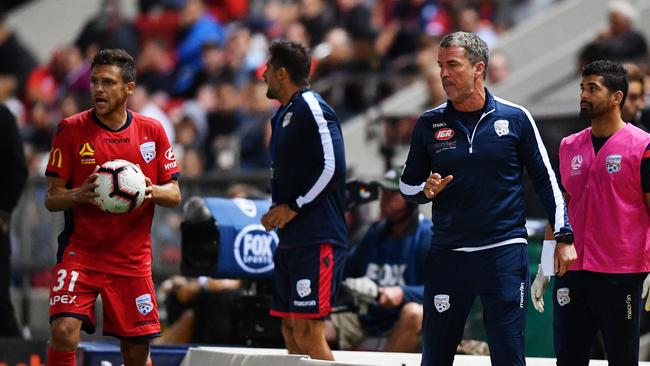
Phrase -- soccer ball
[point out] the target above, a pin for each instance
(121, 186)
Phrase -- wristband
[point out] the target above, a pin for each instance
(548, 257)
(203, 281)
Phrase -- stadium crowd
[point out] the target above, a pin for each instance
(199, 64)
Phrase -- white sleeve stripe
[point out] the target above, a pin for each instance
(410, 190)
(557, 194)
(328, 151)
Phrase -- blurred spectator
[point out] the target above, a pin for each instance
(72, 104)
(108, 29)
(635, 102)
(141, 102)
(427, 62)
(66, 73)
(402, 23)
(355, 17)
(155, 66)
(244, 54)
(191, 305)
(228, 10)
(37, 135)
(255, 130)
(222, 122)
(197, 27)
(498, 68)
(15, 175)
(334, 58)
(15, 60)
(43, 82)
(620, 41)
(74, 73)
(213, 69)
(510, 12)
(397, 132)
(318, 17)
(296, 32)
(385, 272)
(469, 20)
(8, 96)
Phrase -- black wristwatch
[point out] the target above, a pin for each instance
(564, 238)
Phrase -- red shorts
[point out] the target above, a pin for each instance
(129, 310)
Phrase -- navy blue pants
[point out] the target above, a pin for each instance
(499, 276)
(587, 301)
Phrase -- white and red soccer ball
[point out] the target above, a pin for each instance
(121, 186)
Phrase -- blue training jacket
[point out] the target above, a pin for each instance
(308, 171)
(391, 262)
(483, 206)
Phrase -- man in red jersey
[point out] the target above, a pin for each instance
(101, 253)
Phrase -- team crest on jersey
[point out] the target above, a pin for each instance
(287, 119)
(303, 287)
(441, 302)
(613, 163)
(562, 296)
(87, 153)
(501, 127)
(148, 151)
(444, 134)
(144, 304)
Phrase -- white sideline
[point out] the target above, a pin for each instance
(235, 356)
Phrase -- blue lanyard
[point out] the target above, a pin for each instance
(276, 129)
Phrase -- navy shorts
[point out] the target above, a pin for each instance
(306, 280)
(584, 302)
(453, 280)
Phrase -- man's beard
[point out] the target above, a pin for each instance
(270, 94)
(589, 112)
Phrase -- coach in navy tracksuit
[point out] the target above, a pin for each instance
(308, 193)
(480, 144)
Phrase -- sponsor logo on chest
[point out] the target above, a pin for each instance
(444, 134)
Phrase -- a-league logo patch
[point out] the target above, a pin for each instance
(441, 302)
(501, 127)
(148, 151)
(144, 304)
(562, 296)
(613, 163)
(303, 287)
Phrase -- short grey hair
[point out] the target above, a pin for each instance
(476, 48)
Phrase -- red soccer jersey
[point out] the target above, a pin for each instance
(105, 242)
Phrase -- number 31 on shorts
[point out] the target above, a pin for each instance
(60, 280)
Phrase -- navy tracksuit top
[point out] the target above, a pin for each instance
(484, 204)
(308, 171)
